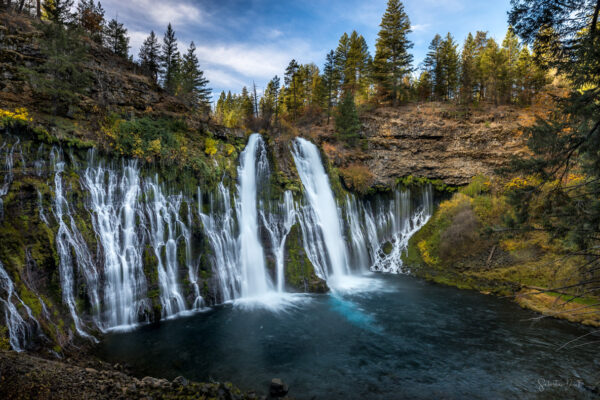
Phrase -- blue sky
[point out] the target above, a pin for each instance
(244, 41)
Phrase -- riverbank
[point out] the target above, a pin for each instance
(24, 376)
(473, 242)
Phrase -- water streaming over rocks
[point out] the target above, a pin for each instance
(20, 330)
(152, 252)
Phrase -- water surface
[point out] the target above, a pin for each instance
(405, 339)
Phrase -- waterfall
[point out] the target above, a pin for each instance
(8, 171)
(114, 209)
(163, 214)
(68, 242)
(219, 225)
(253, 166)
(380, 229)
(19, 331)
(322, 229)
(279, 222)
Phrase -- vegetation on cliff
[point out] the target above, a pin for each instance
(472, 242)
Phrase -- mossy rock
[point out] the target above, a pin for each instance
(299, 271)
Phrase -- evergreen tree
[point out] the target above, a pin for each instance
(565, 141)
(423, 87)
(512, 50)
(274, 93)
(493, 70)
(530, 79)
(220, 108)
(58, 11)
(392, 59)
(90, 17)
(291, 81)
(193, 84)
(449, 67)
(150, 56)
(59, 81)
(170, 61)
(341, 58)
(331, 79)
(347, 123)
(358, 63)
(468, 70)
(247, 108)
(433, 66)
(481, 41)
(116, 38)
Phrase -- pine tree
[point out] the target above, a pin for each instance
(493, 70)
(275, 93)
(357, 65)
(423, 86)
(512, 50)
(341, 59)
(90, 17)
(220, 108)
(481, 41)
(392, 59)
(170, 61)
(530, 79)
(193, 84)
(247, 108)
(468, 70)
(565, 141)
(291, 81)
(433, 66)
(449, 66)
(116, 38)
(58, 11)
(331, 79)
(347, 123)
(150, 56)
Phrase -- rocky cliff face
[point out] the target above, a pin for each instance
(435, 141)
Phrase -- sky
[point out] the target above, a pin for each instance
(241, 42)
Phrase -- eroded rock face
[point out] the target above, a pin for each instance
(436, 141)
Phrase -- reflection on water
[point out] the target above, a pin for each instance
(407, 340)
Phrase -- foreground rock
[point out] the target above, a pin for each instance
(23, 376)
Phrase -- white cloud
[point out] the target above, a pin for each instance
(420, 27)
(158, 12)
(251, 60)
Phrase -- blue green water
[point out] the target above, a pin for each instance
(404, 339)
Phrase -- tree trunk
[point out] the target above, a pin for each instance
(21, 4)
(595, 18)
(38, 9)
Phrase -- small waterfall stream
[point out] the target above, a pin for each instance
(19, 330)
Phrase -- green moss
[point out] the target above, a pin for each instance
(299, 271)
(413, 181)
(4, 338)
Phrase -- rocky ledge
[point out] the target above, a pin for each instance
(23, 376)
(437, 141)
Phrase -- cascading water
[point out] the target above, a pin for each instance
(19, 331)
(114, 208)
(321, 220)
(131, 216)
(68, 242)
(253, 166)
(278, 223)
(163, 214)
(380, 229)
(8, 171)
(219, 225)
